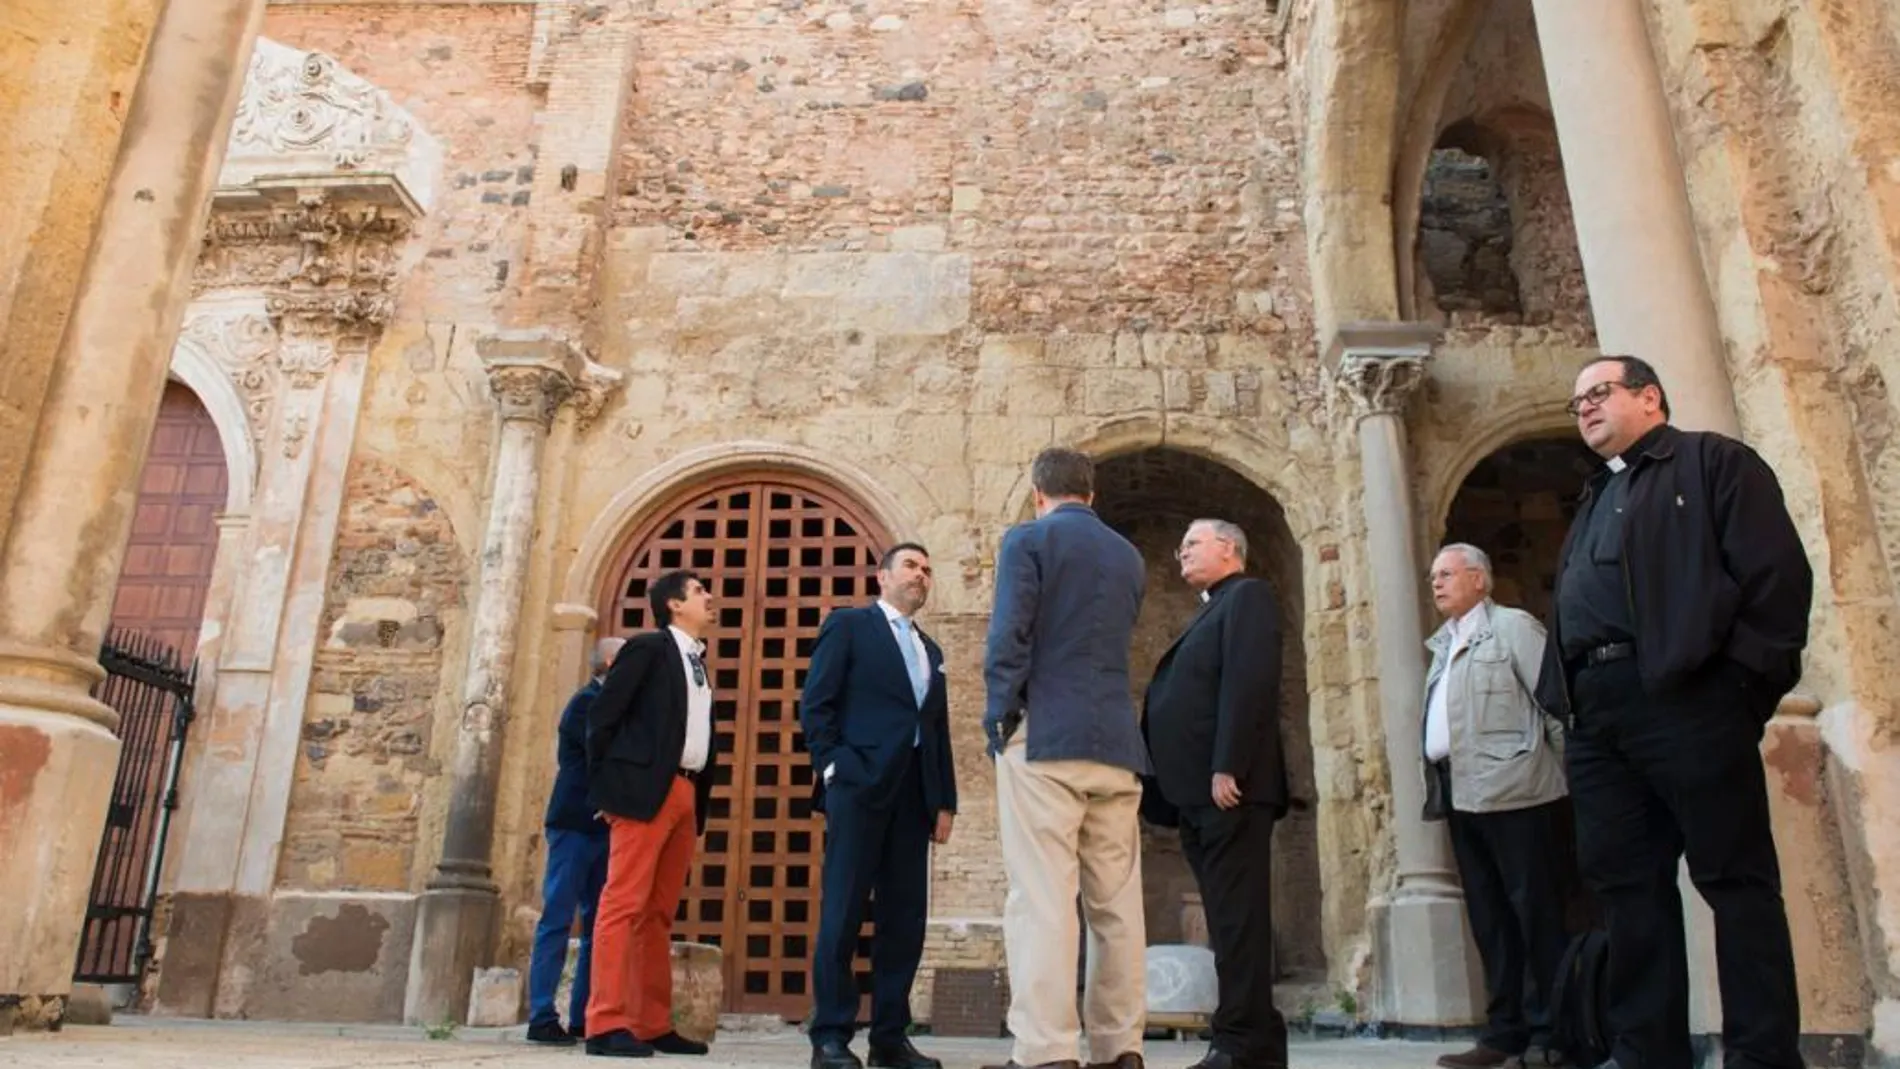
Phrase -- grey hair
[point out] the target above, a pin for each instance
(1229, 533)
(1474, 557)
(604, 653)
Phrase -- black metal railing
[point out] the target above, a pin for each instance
(150, 687)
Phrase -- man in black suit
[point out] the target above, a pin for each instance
(1212, 719)
(876, 720)
(650, 757)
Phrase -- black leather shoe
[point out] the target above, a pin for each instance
(674, 1043)
(1215, 1059)
(1131, 1060)
(618, 1044)
(901, 1056)
(834, 1054)
(550, 1033)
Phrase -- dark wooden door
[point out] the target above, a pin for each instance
(778, 553)
(161, 592)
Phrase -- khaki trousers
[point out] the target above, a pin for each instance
(1069, 827)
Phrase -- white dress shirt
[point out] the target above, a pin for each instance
(699, 701)
(1437, 718)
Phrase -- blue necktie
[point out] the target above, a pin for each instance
(919, 676)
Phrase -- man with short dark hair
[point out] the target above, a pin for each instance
(877, 724)
(1680, 615)
(1212, 720)
(1068, 750)
(576, 870)
(650, 758)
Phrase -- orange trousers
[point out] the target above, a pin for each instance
(633, 964)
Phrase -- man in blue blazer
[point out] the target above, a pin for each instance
(877, 725)
(1061, 724)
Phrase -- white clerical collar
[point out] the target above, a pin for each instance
(1615, 464)
(1205, 595)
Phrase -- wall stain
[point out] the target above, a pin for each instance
(351, 941)
(24, 752)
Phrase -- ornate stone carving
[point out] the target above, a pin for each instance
(597, 386)
(294, 432)
(1379, 384)
(302, 102)
(242, 346)
(529, 392)
(305, 360)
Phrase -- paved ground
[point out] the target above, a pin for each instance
(136, 1043)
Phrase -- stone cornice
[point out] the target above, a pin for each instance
(1378, 366)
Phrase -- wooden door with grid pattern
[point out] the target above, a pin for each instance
(174, 539)
(778, 553)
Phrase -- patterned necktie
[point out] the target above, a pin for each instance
(919, 676)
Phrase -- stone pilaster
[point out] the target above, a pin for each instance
(531, 374)
(60, 562)
(1427, 971)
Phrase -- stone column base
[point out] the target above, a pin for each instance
(56, 773)
(1427, 973)
(455, 935)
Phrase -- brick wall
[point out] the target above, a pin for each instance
(396, 587)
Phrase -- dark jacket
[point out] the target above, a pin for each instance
(1214, 703)
(1068, 589)
(1713, 567)
(636, 732)
(860, 713)
(568, 808)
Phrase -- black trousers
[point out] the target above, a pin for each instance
(1231, 853)
(877, 862)
(1514, 898)
(1653, 777)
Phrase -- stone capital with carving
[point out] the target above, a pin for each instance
(1378, 366)
(532, 373)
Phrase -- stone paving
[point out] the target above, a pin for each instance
(136, 1043)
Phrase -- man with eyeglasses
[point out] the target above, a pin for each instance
(1212, 722)
(650, 758)
(1680, 615)
(1494, 772)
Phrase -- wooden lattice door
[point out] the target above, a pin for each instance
(778, 553)
(174, 539)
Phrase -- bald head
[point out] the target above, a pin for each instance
(604, 653)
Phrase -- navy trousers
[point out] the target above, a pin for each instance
(877, 863)
(577, 869)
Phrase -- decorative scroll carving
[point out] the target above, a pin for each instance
(598, 385)
(1379, 385)
(302, 102)
(242, 346)
(529, 392)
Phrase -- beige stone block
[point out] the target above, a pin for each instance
(918, 239)
(1177, 389)
(1117, 392)
(1172, 350)
(1010, 350)
(966, 198)
(1128, 349)
(1006, 440)
(1081, 350)
(1242, 351)
(699, 990)
(1222, 397)
(494, 999)
(88, 1005)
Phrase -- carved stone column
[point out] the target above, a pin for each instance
(60, 563)
(1427, 969)
(531, 375)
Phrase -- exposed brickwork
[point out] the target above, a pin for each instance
(395, 586)
(1123, 164)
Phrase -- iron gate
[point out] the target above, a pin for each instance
(151, 689)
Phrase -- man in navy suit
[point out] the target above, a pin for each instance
(877, 726)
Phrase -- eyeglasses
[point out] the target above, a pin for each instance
(1595, 396)
(1446, 573)
(1193, 543)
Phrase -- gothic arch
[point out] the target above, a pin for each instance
(615, 523)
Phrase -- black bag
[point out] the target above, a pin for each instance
(1580, 1001)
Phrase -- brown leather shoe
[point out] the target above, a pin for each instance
(1131, 1060)
(1011, 1064)
(1478, 1057)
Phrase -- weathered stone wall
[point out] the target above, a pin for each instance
(396, 589)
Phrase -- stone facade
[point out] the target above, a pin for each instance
(898, 247)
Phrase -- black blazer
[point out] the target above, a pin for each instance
(1214, 703)
(859, 712)
(636, 731)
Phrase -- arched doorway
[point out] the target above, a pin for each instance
(778, 551)
(1151, 496)
(1516, 506)
(174, 541)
